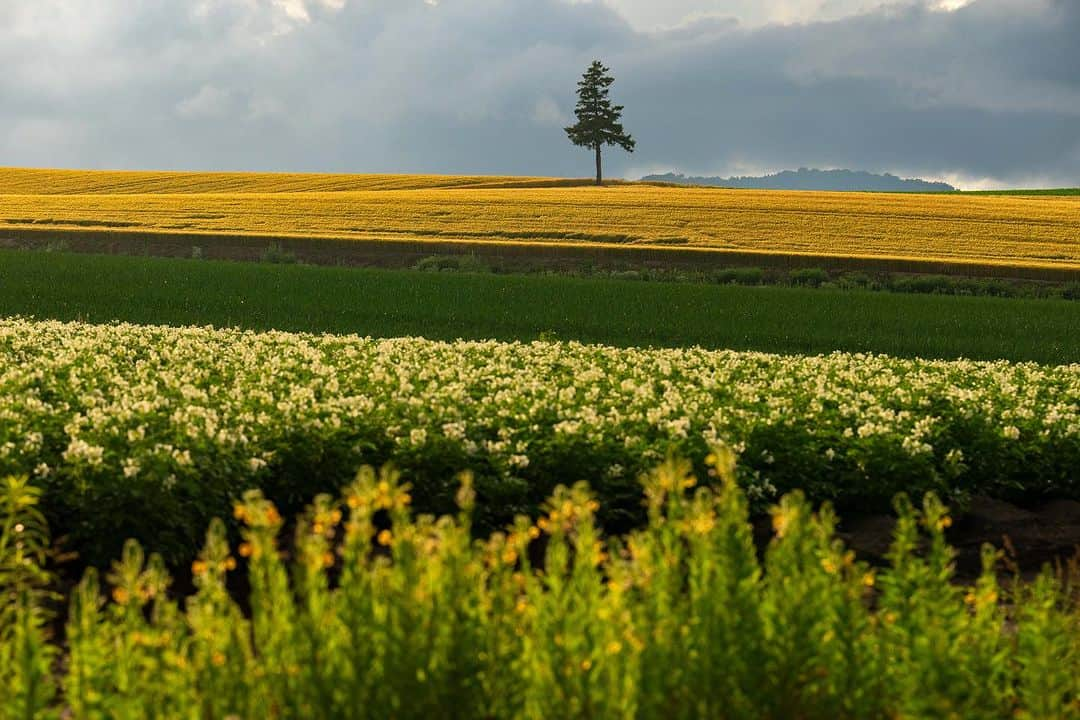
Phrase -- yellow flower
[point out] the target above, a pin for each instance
(120, 595)
(230, 563)
(781, 520)
(829, 566)
(586, 665)
(244, 550)
(614, 647)
(534, 532)
(239, 512)
(703, 524)
(868, 579)
(198, 568)
(217, 659)
(384, 537)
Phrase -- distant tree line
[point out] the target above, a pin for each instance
(804, 179)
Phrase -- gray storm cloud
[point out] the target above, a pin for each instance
(989, 91)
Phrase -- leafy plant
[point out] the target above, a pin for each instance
(812, 277)
(378, 613)
(275, 253)
(25, 655)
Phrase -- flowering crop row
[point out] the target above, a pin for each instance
(384, 615)
(150, 431)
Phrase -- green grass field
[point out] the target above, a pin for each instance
(1052, 192)
(458, 305)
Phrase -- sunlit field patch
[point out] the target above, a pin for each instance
(1039, 232)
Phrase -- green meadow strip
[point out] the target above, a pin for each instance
(448, 306)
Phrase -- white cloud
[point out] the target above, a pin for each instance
(648, 15)
(300, 10)
(546, 112)
(951, 5)
(208, 102)
(660, 14)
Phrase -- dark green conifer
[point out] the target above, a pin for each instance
(598, 121)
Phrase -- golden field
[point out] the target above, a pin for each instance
(1032, 232)
(33, 181)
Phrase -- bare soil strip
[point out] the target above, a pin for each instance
(399, 252)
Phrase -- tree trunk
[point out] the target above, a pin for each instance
(599, 170)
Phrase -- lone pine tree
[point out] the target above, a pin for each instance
(597, 119)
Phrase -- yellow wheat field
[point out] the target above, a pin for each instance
(33, 181)
(1021, 231)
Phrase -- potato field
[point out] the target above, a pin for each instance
(164, 427)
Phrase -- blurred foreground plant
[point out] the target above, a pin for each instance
(376, 613)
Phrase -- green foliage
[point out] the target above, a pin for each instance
(276, 254)
(1049, 192)
(25, 654)
(165, 427)
(741, 276)
(447, 306)
(598, 120)
(458, 263)
(382, 614)
(812, 277)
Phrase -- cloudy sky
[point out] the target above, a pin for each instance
(978, 92)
